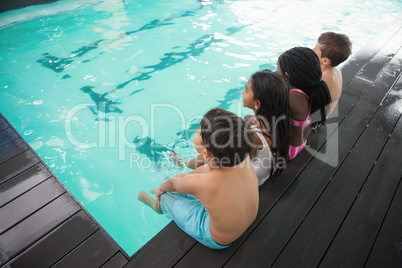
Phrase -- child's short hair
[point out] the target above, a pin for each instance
(226, 136)
(336, 47)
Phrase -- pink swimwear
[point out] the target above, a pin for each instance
(294, 151)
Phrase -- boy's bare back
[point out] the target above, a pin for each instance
(333, 77)
(230, 196)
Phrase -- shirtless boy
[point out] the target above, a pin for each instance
(216, 202)
(333, 49)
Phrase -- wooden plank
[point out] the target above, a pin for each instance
(357, 234)
(365, 54)
(36, 226)
(350, 96)
(12, 149)
(387, 248)
(117, 261)
(22, 183)
(318, 229)
(94, 252)
(3, 124)
(58, 243)
(7, 135)
(25, 205)
(172, 240)
(17, 165)
(314, 179)
(371, 70)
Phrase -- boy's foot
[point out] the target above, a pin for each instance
(145, 198)
(176, 159)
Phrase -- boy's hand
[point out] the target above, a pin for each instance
(251, 119)
(157, 193)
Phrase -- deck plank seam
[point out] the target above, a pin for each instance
(393, 56)
(387, 62)
(383, 220)
(119, 251)
(359, 55)
(312, 206)
(345, 158)
(179, 259)
(27, 149)
(37, 240)
(22, 171)
(392, 86)
(72, 250)
(13, 157)
(78, 245)
(354, 201)
(33, 212)
(328, 183)
(13, 139)
(375, 161)
(365, 80)
(21, 194)
(40, 160)
(265, 215)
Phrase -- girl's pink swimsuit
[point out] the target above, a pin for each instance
(293, 151)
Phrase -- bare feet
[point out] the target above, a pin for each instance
(144, 197)
(177, 160)
(147, 200)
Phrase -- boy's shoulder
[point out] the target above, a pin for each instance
(331, 73)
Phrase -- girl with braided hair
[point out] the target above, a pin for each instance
(309, 97)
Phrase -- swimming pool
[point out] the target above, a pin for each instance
(102, 90)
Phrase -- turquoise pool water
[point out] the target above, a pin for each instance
(102, 90)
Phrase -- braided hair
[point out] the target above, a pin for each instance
(303, 70)
(272, 91)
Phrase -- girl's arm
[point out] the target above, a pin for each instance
(193, 163)
(196, 162)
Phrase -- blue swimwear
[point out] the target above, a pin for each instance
(190, 215)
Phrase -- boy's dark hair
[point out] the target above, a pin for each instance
(335, 46)
(303, 68)
(226, 136)
(272, 91)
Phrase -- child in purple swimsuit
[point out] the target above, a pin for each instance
(308, 97)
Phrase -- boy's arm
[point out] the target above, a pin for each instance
(196, 162)
(183, 184)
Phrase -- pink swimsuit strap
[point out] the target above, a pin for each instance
(305, 122)
(293, 151)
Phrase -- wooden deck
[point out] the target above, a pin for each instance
(347, 214)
